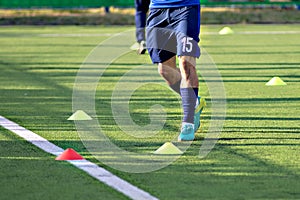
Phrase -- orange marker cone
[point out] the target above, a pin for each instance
(69, 154)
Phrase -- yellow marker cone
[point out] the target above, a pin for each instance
(226, 31)
(275, 81)
(168, 149)
(80, 115)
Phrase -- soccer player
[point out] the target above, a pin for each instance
(141, 9)
(173, 28)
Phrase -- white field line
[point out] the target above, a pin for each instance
(255, 33)
(92, 169)
(202, 33)
(268, 32)
(75, 34)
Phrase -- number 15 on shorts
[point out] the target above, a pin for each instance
(187, 45)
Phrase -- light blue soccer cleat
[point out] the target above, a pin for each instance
(187, 133)
(198, 111)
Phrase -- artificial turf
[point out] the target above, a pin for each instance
(257, 153)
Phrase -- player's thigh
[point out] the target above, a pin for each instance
(161, 40)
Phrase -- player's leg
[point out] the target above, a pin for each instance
(170, 73)
(189, 93)
(141, 9)
(188, 29)
(187, 65)
(161, 42)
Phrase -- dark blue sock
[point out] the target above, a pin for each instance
(196, 92)
(189, 98)
(176, 87)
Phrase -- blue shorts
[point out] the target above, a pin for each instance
(173, 31)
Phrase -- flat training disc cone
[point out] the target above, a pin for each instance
(275, 81)
(69, 154)
(168, 149)
(135, 46)
(80, 115)
(226, 31)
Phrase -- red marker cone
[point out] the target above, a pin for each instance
(69, 154)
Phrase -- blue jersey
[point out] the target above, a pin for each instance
(172, 3)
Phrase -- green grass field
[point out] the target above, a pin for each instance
(256, 156)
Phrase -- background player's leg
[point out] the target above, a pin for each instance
(141, 7)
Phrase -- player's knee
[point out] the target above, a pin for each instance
(187, 67)
(184, 65)
(187, 64)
